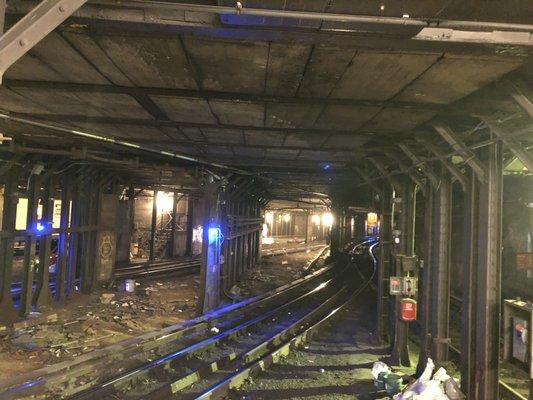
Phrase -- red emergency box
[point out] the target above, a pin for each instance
(408, 310)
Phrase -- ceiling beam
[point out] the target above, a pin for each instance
(518, 91)
(456, 172)
(32, 28)
(214, 95)
(457, 144)
(142, 18)
(516, 148)
(426, 169)
(66, 118)
(404, 168)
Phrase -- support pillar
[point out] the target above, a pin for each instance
(425, 275)
(440, 296)
(400, 350)
(190, 225)
(209, 297)
(153, 226)
(30, 247)
(384, 268)
(335, 231)
(8, 312)
(488, 282)
(468, 309)
(42, 296)
(61, 263)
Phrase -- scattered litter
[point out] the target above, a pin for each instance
(215, 330)
(129, 285)
(105, 298)
(321, 370)
(284, 262)
(439, 387)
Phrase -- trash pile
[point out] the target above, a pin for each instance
(429, 386)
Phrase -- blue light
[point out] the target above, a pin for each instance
(326, 167)
(40, 227)
(213, 234)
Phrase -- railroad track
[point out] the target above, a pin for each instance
(127, 360)
(182, 266)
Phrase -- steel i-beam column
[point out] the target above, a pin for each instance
(400, 350)
(7, 309)
(440, 300)
(153, 226)
(30, 246)
(209, 297)
(468, 311)
(488, 280)
(190, 225)
(425, 288)
(42, 294)
(385, 243)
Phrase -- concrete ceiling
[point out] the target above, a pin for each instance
(283, 108)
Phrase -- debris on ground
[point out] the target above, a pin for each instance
(429, 386)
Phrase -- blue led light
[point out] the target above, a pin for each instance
(40, 227)
(213, 234)
(326, 167)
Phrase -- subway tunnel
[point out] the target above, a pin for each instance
(266, 200)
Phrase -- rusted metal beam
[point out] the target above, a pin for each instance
(426, 169)
(405, 169)
(142, 93)
(457, 144)
(519, 95)
(32, 28)
(488, 282)
(518, 150)
(386, 174)
(440, 299)
(456, 172)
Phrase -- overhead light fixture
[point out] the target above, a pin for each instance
(287, 217)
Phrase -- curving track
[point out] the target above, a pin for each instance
(199, 359)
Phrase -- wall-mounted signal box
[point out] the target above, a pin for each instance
(518, 334)
(524, 261)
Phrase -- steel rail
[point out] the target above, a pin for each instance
(221, 389)
(62, 373)
(112, 386)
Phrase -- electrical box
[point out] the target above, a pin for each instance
(396, 285)
(410, 286)
(520, 336)
(406, 263)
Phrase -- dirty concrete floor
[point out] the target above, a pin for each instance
(335, 365)
(89, 322)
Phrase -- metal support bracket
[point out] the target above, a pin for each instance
(405, 169)
(456, 172)
(381, 168)
(434, 179)
(458, 145)
(518, 94)
(32, 28)
(519, 151)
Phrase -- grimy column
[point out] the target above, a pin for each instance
(425, 276)
(468, 306)
(210, 262)
(385, 243)
(440, 296)
(488, 279)
(400, 350)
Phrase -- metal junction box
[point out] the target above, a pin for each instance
(517, 324)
